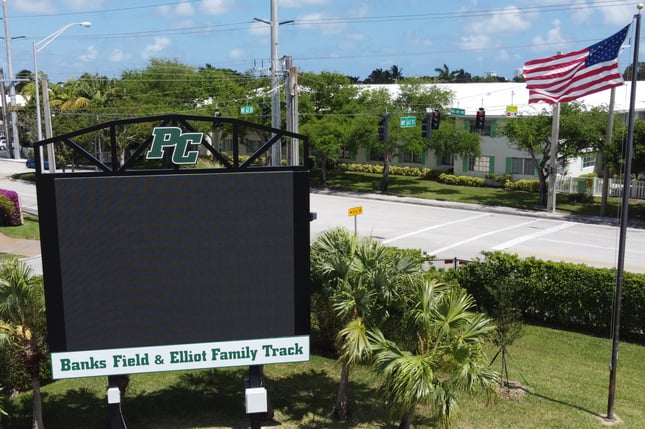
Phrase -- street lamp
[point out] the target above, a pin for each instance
(39, 46)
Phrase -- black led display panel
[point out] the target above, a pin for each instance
(161, 259)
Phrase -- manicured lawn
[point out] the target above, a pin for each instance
(565, 375)
(430, 189)
(29, 229)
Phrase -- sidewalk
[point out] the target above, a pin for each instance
(21, 247)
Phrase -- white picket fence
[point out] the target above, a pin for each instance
(593, 186)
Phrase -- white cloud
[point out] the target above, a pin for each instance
(301, 3)
(551, 41)
(475, 42)
(317, 21)
(216, 7)
(183, 8)
(237, 54)
(159, 45)
(259, 29)
(507, 20)
(90, 54)
(118, 56)
(618, 15)
(40, 6)
(84, 4)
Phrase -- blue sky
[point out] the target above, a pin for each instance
(351, 37)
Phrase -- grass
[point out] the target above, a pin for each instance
(28, 230)
(430, 189)
(565, 375)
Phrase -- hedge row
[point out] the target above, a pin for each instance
(451, 179)
(565, 295)
(395, 170)
(9, 208)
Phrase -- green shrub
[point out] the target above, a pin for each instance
(395, 170)
(523, 185)
(451, 179)
(565, 295)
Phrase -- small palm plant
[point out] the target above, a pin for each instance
(445, 353)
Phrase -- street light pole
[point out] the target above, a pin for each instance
(15, 140)
(39, 46)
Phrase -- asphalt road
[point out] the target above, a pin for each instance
(448, 230)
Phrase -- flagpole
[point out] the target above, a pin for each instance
(553, 161)
(623, 222)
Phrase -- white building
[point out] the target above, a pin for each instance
(502, 102)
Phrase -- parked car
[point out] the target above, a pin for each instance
(31, 163)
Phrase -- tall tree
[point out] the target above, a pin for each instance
(22, 322)
(580, 130)
(413, 100)
(326, 109)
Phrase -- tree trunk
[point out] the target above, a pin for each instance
(406, 421)
(323, 172)
(341, 412)
(544, 195)
(386, 174)
(37, 421)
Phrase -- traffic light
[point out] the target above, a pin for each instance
(426, 126)
(266, 111)
(218, 114)
(436, 118)
(383, 128)
(480, 120)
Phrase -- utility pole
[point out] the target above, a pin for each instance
(276, 149)
(291, 96)
(276, 70)
(14, 142)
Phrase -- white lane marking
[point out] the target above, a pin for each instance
(532, 236)
(410, 234)
(477, 237)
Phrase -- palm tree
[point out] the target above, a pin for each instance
(355, 279)
(22, 321)
(444, 74)
(446, 355)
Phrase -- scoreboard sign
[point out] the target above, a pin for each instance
(159, 271)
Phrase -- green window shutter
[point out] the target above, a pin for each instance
(465, 164)
(509, 165)
(491, 165)
(493, 128)
(422, 157)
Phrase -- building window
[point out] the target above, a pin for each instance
(345, 153)
(524, 166)
(410, 157)
(376, 156)
(486, 131)
(447, 160)
(481, 164)
(589, 159)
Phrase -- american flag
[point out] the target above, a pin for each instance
(567, 77)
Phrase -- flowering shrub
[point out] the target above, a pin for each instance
(9, 208)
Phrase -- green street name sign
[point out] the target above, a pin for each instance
(408, 121)
(457, 111)
(246, 110)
